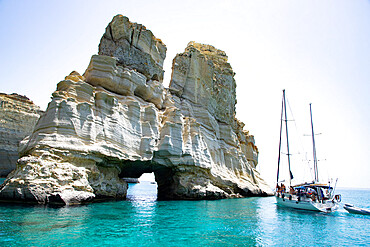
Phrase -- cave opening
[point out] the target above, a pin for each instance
(147, 180)
(144, 189)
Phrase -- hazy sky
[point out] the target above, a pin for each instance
(319, 51)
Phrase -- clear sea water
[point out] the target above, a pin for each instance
(141, 220)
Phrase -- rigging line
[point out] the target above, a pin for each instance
(287, 139)
(296, 128)
(308, 167)
(281, 127)
(300, 141)
(299, 137)
(290, 153)
(314, 148)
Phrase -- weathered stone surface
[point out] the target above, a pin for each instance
(203, 92)
(134, 46)
(60, 177)
(117, 122)
(58, 164)
(18, 116)
(105, 72)
(202, 76)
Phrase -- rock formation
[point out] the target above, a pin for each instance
(118, 121)
(18, 116)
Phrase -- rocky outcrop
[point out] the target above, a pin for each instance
(18, 116)
(134, 46)
(218, 158)
(118, 121)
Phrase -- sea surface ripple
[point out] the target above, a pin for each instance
(141, 220)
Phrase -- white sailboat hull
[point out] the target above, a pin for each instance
(307, 204)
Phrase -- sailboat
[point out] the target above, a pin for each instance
(311, 196)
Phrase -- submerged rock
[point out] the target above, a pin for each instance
(118, 121)
(18, 116)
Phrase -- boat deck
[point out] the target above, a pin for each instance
(304, 203)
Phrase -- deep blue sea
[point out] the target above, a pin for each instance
(141, 220)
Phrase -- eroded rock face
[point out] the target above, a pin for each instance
(134, 46)
(118, 121)
(18, 116)
(220, 157)
(203, 77)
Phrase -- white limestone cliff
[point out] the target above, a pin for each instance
(118, 121)
(18, 116)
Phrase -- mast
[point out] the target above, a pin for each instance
(281, 129)
(287, 139)
(314, 150)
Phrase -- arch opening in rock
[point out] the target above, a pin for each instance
(163, 176)
(118, 121)
(145, 189)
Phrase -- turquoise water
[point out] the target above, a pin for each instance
(143, 221)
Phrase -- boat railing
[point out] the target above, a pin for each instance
(307, 196)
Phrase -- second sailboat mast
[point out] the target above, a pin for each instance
(314, 150)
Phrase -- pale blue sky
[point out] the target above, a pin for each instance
(319, 51)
